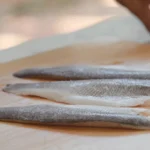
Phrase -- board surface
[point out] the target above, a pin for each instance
(33, 137)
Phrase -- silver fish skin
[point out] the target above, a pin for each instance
(106, 92)
(75, 116)
(80, 72)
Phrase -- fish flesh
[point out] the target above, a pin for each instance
(78, 115)
(81, 72)
(104, 92)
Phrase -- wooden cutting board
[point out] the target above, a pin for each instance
(32, 137)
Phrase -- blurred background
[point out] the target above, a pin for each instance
(23, 20)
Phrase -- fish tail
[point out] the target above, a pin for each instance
(27, 73)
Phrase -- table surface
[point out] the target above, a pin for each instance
(33, 137)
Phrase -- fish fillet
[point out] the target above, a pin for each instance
(77, 115)
(104, 92)
(80, 72)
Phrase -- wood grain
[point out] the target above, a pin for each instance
(18, 136)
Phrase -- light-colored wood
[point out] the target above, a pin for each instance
(32, 137)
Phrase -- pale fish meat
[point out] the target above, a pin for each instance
(104, 92)
(80, 72)
(78, 115)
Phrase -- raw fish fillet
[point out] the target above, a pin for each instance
(91, 116)
(80, 72)
(104, 92)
